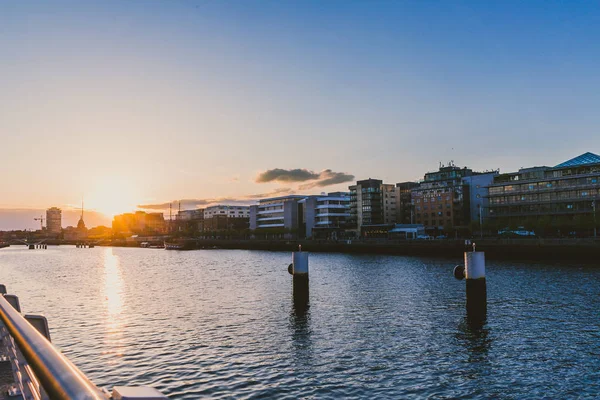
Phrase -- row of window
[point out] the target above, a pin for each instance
(590, 180)
(433, 199)
(550, 196)
(433, 214)
(439, 207)
(541, 209)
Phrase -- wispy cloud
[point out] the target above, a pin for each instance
(276, 192)
(319, 179)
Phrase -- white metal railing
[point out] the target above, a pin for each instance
(40, 371)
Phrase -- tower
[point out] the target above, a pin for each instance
(81, 224)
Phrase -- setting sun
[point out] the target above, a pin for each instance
(112, 196)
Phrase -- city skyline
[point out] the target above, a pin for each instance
(17, 219)
(142, 103)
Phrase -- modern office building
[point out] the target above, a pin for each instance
(372, 203)
(450, 198)
(226, 218)
(279, 213)
(325, 216)
(188, 215)
(54, 220)
(404, 206)
(190, 221)
(478, 185)
(562, 196)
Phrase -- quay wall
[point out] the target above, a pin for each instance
(586, 250)
(525, 249)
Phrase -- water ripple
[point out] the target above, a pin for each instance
(225, 324)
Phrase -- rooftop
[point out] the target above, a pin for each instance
(288, 197)
(584, 159)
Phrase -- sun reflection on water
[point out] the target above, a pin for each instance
(113, 293)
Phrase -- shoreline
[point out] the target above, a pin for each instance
(522, 249)
(501, 249)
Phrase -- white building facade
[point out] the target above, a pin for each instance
(275, 212)
(326, 215)
(226, 210)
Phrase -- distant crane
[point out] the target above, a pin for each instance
(41, 219)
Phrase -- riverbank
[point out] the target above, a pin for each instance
(585, 250)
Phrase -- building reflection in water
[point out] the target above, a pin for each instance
(113, 293)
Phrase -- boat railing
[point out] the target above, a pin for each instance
(39, 369)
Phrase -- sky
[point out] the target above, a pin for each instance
(141, 103)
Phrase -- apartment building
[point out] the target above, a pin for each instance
(325, 216)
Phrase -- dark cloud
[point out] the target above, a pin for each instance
(286, 175)
(324, 178)
(328, 178)
(195, 203)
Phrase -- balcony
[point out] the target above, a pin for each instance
(262, 206)
(278, 211)
(332, 206)
(271, 226)
(270, 219)
(332, 215)
(331, 198)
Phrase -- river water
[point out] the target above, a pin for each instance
(224, 324)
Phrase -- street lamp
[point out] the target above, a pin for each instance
(480, 221)
(594, 208)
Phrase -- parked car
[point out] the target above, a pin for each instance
(424, 237)
(519, 232)
(442, 237)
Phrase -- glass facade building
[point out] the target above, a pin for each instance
(559, 194)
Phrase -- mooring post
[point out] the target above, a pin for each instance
(299, 270)
(476, 285)
(300, 263)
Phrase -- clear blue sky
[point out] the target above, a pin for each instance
(143, 102)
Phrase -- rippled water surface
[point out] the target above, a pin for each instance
(224, 323)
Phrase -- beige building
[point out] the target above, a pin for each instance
(54, 220)
(389, 203)
(372, 203)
